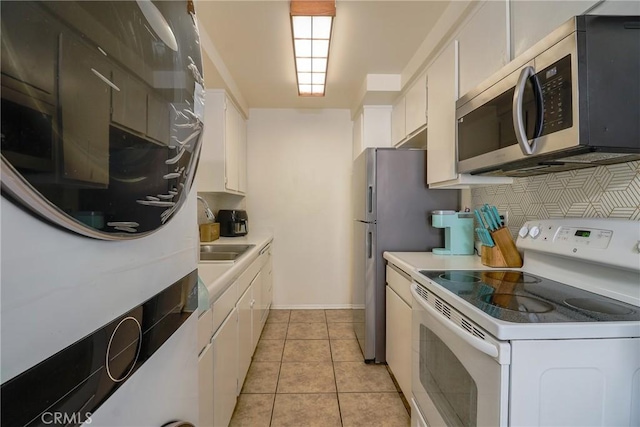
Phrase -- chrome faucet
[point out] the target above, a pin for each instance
(207, 210)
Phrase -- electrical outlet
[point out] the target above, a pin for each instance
(504, 216)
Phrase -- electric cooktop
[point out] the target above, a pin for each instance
(514, 296)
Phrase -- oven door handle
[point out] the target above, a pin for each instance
(480, 345)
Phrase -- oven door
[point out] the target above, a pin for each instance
(458, 378)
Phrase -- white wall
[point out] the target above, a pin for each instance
(299, 164)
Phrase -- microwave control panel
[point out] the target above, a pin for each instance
(555, 81)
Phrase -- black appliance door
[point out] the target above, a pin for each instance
(490, 126)
(102, 106)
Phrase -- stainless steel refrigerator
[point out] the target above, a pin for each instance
(392, 206)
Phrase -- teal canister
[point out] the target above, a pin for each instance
(458, 232)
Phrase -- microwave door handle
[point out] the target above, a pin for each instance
(537, 92)
(518, 121)
(480, 345)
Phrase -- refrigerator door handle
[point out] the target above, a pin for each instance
(369, 245)
(370, 199)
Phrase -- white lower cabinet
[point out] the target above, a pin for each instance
(256, 310)
(205, 386)
(267, 288)
(236, 319)
(399, 329)
(399, 340)
(245, 341)
(225, 379)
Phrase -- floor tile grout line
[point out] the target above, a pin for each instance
(333, 369)
(275, 392)
(337, 393)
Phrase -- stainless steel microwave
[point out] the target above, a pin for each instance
(571, 101)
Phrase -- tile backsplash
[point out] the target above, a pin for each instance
(605, 191)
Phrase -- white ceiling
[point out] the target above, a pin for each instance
(254, 57)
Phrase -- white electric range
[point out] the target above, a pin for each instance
(554, 343)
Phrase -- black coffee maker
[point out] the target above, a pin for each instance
(233, 223)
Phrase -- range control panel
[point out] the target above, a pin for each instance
(594, 238)
(603, 241)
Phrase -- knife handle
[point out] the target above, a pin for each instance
(497, 216)
(486, 214)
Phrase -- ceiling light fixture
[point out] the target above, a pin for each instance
(311, 25)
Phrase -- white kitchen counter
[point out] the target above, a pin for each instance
(219, 275)
(412, 262)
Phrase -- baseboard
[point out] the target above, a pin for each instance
(315, 306)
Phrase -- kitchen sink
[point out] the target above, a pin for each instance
(223, 252)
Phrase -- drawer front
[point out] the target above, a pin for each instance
(248, 275)
(205, 329)
(400, 283)
(223, 305)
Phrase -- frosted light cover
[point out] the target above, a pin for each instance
(301, 27)
(322, 27)
(303, 65)
(311, 48)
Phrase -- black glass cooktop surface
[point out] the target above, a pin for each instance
(519, 297)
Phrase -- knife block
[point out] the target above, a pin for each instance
(504, 253)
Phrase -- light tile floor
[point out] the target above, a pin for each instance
(308, 370)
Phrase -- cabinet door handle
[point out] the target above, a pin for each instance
(253, 302)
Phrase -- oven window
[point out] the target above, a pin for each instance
(450, 387)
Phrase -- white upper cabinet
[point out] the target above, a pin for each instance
(372, 128)
(398, 121)
(441, 133)
(129, 103)
(158, 119)
(442, 154)
(242, 155)
(416, 105)
(136, 108)
(531, 21)
(223, 160)
(617, 7)
(231, 146)
(479, 48)
(85, 131)
(483, 44)
(409, 114)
